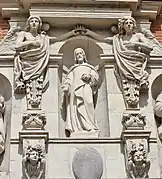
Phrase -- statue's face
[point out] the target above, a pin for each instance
(138, 157)
(79, 56)
(34, 24)
(128, 25)
(34, 156)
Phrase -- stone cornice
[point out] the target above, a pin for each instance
(7, 60)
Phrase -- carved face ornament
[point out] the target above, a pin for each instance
(33, 157)
(138, 157)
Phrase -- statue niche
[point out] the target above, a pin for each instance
(80, 87)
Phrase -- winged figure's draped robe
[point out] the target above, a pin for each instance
(130, 64)
(30, 64)
(80, 106)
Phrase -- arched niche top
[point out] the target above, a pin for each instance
(60, 45)
(5, 87)
(156, 86)
(90, 47)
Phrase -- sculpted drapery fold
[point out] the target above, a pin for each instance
(130, 64)
(30, 64)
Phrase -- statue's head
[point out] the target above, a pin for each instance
(80, 56)
(34, 154)
(34, 23)
(126, 24)
(138, 154)
(138, 157)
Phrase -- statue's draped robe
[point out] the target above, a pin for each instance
(158, 105)
(30, 64)
(2, 129)
(130, 64)
(80, 106)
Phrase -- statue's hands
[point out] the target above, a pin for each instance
(80, 30)
(35, 43)
(86, 78)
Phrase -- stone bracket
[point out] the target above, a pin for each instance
(35, 134)
(133, 119)
(136, 149)
(34, 121)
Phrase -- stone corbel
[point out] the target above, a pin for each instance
(136, 149)
(133, 119)
(34, 149)
(34, 121)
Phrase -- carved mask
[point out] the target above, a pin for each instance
(33, 157)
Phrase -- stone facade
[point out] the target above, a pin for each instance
(80, 89)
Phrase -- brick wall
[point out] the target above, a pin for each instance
(4, 26)
(156, 27)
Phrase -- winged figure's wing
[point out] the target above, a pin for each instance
(7, 45)
(157, 47)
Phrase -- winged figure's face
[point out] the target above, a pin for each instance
(34, 24)
(128, 25)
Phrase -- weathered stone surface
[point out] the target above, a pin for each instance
(112, 105)
(87, 164)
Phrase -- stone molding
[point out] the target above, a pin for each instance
(35, 134)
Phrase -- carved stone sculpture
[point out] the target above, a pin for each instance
(87, 164)
(2, 130)
(131, 51)
(136, 159)
(34, 121)
(31, 60)
(158, 112)
(79, 88)
(133, 120)
(34, 163)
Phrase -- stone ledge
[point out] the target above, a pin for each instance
(91, 141)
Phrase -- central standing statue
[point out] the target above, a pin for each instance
(79, 89)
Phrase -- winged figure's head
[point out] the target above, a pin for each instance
(126, 24)
(34, 23)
